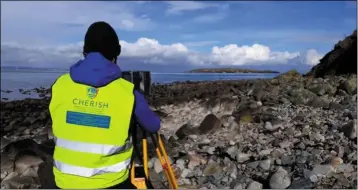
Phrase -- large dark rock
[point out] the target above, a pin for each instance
(341, 60)
(209, 124)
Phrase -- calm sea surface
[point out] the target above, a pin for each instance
(15, 80)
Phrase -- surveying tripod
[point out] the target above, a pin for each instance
(141, 179)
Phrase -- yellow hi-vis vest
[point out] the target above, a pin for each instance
(90, 127)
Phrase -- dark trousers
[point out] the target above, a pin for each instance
(127, 184)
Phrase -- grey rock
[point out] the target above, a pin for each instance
(285, 144)
(323, 170)
(310, 175)
(287, 160)
(280, 179)
(301, 183)
(265, 152)
(301, 96)
(352, 156)
(254, 164)
(265, 164)
(350, 85)
(302, 145)
(301, 159)
(318, 102)
(242, 157)
(271, 127)
(186, 173)
(318, 137)
(344, 168)
(232, 151)
(350, 129)
(322, 88)
(212, 169)
(211, 150)
(180, 163)
(340, 150)
(277, 153)
(255, 185)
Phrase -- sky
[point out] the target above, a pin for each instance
(168, 36)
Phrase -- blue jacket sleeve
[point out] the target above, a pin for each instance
(146, 118)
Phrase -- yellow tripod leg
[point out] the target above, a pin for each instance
(169, 168)
(140, 182)
(145, 157)
(164, 165)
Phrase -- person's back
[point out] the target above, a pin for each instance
(91, 110)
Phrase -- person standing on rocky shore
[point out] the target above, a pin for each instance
(91, 110)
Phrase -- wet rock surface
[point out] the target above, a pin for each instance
(287, 132)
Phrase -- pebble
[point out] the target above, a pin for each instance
(340, 150)
(287, 160)
(253, 165)
(255, 185)
(280, 179)
(242, 157)
(265, 165)
(180, 164)
(232, 151)
(308, 174)
(265, 152)
(323, 170)
(269, 126)
(211, 150)
(186, 173)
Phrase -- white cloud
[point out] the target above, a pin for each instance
(313, 57)
(235, 55)
(150, 51)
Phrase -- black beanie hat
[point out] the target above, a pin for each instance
(101, 37)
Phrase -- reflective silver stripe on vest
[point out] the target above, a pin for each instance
(89, 172)
(93, 148)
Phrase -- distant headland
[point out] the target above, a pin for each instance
(230, 70)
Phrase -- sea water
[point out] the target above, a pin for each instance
(30, 79)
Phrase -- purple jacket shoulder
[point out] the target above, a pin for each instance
(145, 117)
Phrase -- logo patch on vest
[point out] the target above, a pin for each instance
(92, 92)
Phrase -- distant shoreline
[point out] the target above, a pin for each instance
(230, 70)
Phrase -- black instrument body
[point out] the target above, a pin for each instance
(141, 80)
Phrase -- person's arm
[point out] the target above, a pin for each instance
(146, 118)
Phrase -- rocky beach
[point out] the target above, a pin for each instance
(289, 132)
